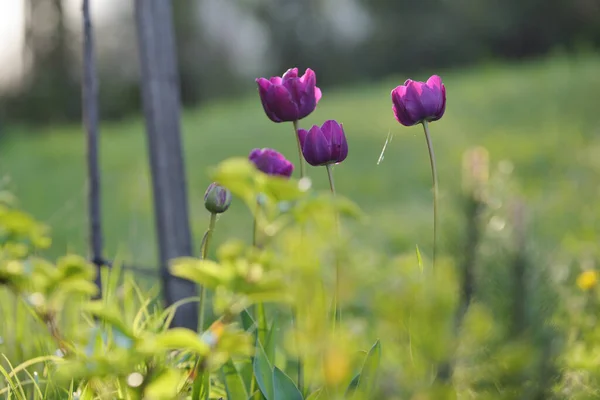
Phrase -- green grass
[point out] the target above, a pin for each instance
(543, 117)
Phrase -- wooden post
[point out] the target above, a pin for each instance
(90, 118)
(161, 99)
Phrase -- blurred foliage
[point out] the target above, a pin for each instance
(492, 320)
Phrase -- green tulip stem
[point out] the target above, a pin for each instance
(203, 252)
(337, 312)
(435, 186)
(302, 172)
(330, 176)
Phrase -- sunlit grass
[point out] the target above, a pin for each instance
(542, 117)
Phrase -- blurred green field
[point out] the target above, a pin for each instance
(543, 117)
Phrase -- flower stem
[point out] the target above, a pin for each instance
(302, 173)
(203, 253)
(330, 176)
(435, 186)
(337, 312)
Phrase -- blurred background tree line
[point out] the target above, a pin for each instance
(224, 44)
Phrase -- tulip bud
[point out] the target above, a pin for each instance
(271, 162)
(217, 198)
(325, 144)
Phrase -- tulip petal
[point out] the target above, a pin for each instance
(281, 104)
(436, 99)
(434, 82)
(412, 101)
(302, 136)
(338, 143)
(318, 94)
(399, 109)
(271, 162)
(291, 73)
(316, 147)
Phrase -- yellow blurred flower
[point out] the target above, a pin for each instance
(587, 280)
(336, 366)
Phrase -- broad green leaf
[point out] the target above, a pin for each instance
(263, 371)
(179, 339)
(283, 386)
(165, 386)
(234, 383)
(204, 272)
(368, 374)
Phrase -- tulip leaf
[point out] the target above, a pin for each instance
(353, 385)
(367, 378)
(247, 321)
(283, 387)
(263, 371)
(234, 382)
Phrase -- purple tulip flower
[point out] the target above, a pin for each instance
(289, 98)
(415, 102)
(324, 145)
(271, 162)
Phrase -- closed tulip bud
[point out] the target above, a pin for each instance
(217, 198)
(415, 102)
(289, 98)
(324, 145)
(271, 162)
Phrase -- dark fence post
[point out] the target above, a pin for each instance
(90, 118)
(161, 99)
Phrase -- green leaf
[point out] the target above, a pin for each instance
(270, 344)
(419, 258)
(315, 395)
(263, 371)
(353, 385)
(201, 388)
(283, 386)
(247, 321)
(179, 339)
(280, 189)
(109, 315)
(164, 386)
(261, 318)
(204, 272)
(368, 374)
(238, 175)
(234, 383)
